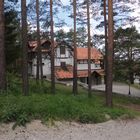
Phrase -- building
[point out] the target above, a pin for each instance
(64, 62)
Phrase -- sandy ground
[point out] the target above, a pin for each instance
(111, 130)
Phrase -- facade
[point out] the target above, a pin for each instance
(64, 62)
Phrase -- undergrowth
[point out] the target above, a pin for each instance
(41, 104)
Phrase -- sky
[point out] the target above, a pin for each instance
(135, 5)
(137, 13)
(94, 22)
(69, 21)
(65, 15)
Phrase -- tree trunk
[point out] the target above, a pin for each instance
(131, 77)
(106, 43)
(109, 76)
(37, 67)
(39, 53)
(89, 50)
(24, 47)
(2, 49)
(75, 88)
(52, 50)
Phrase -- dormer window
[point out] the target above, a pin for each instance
(62, 49)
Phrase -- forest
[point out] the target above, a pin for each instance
(109, 28)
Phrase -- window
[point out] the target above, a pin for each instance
(79, 62)
(82, 62)
(92, 61)
(63, 65)
(62, 49)
(96, 65)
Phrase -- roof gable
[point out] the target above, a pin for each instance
(82, 53)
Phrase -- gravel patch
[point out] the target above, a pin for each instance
(111, 130)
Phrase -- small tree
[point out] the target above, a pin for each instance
(126, 54)
(12, 45)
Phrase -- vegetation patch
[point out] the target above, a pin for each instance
(41, 104)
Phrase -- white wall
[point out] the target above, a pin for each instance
(85, 66)
(46, 67)
(136, 81)
(67, 53)
(67, 58)
(68, 61)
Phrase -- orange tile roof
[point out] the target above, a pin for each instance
(62, 74)
(82, 73)
(82, 53)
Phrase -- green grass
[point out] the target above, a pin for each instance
(41, 104)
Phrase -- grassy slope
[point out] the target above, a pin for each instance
(40, 104)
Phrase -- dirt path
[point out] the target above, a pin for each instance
(111, 130)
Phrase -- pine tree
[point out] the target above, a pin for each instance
(126, 54)
(52, 50)
(109, 53)
(89, 50)
(106, 43)
(24, 47)
(75, 88)
(2, 49)
(39, 52)
(12, 45)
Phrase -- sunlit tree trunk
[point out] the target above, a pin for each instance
(75, 88)
(25, 48)
(2, 49)
(109, 76)
(39, 53)
(89, 50)
(52, 50)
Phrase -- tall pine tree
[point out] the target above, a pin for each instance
(39, 51)
(109, 53)
(75, 87)
(2, 49)
(24, 48)
(89, 49)
(52, 50)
